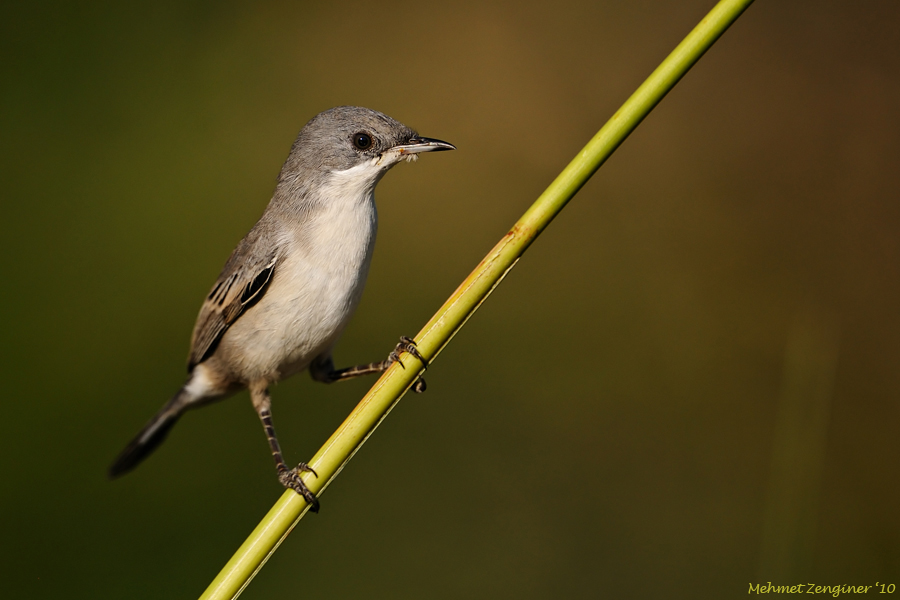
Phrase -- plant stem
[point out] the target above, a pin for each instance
(388, 390)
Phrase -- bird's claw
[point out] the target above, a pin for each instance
(305, 468)
(290, 478)
(408, 345)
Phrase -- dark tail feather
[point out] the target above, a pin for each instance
(151, 436)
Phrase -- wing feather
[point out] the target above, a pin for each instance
(240, 286)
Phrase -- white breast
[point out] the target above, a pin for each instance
(318, 282)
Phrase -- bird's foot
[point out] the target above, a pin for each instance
(290, 478)
(408, 345)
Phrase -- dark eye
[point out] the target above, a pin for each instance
(363, 141)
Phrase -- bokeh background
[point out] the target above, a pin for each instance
(689, 383)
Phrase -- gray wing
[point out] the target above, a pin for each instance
(241, 284)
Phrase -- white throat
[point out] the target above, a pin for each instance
(354, 184)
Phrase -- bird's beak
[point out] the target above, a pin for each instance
(422, 144)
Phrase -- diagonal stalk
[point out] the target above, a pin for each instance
(388, 390)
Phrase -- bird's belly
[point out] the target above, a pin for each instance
(319, 308)
(309, 301)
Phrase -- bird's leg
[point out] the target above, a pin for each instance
(289, 478)
(322, 369)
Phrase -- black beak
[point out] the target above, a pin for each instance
(423, 144)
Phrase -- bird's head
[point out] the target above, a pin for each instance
(353, 142)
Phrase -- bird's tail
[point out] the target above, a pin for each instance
(151, 436)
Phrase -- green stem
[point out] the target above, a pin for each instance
(387, 391)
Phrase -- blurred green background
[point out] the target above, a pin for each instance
(689, 383)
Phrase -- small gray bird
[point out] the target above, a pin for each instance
(291, 285)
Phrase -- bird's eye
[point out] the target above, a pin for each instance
(363, 141)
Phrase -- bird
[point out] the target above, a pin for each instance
(290, 286)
